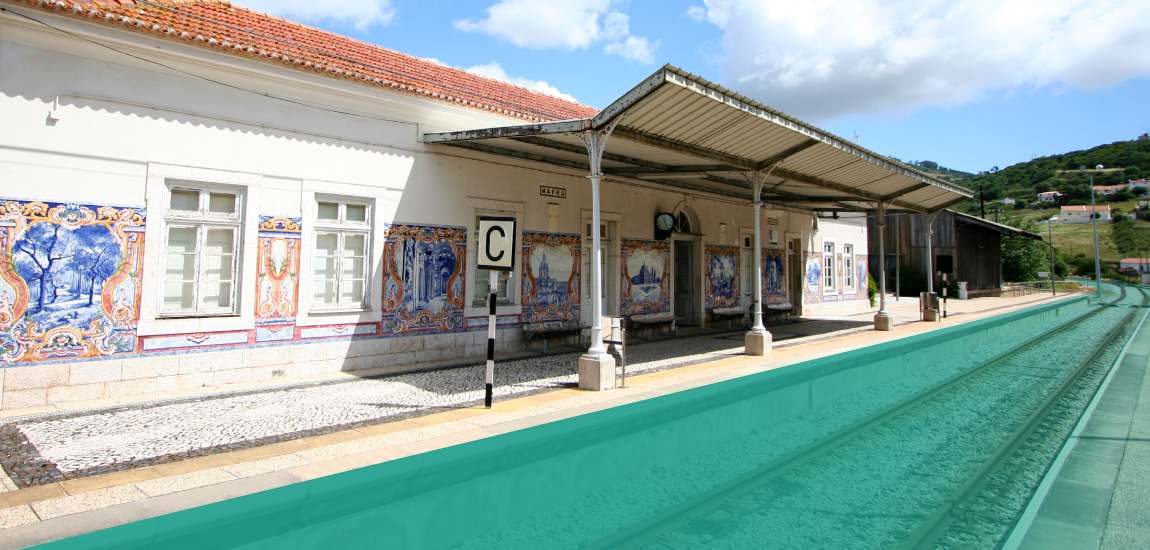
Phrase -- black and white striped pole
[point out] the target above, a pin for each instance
(496, 241)
(493, 293)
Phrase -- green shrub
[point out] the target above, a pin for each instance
(871, 289)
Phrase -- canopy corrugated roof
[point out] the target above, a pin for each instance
(683, 132)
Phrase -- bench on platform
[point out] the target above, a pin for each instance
(728, 313)
(778, 311)
(552, 329)
(655, 321)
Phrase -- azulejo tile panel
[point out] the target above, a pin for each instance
(423, 278)
(645, 287)
(722, 273)
(70, 279)
(812, 282)
(775, 277)
(551, 271)
(277, 276)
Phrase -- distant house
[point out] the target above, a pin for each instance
(1109, 189)
(1137, 183)
(1007, 201)
(1049, 196)
(1140, 265)
(1081, 214)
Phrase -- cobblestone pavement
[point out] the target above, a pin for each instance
(68, 446)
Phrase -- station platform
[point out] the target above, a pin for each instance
(33, 510)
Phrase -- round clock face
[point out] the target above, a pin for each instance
(665, 222)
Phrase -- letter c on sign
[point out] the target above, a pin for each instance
(491, 230)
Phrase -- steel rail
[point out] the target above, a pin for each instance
(670, 519)
(939, 522)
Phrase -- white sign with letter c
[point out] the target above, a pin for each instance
(496, 243)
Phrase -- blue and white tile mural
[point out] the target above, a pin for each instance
(70, 280)
(645, 288)
(722, 276)
(423, 278)
(550, 277)
(775, 277)
(812, 287)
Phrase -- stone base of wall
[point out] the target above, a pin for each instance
(132, 377)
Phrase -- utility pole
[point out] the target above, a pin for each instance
(982, 202)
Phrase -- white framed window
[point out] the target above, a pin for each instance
(828, 265)
(480, 289)
(203, 225)
(340, 265)
(849, 266)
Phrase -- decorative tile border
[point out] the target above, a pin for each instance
(335, 331)
(197, 340)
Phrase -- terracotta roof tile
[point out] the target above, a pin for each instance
(222, 26)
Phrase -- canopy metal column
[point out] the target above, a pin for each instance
(882, 319)
(596, 367)
(931, 314)
(758, 340)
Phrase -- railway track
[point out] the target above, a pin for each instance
(955, 517)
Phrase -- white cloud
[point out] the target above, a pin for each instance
(360, 13)
(634, 49)
(697, 13)
(823, 59)
(496, 71)
(561, 24)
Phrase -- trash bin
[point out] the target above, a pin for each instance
(928, 306)
(962, 292)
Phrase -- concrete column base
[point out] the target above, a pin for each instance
(596, 372)
(931, 316)
(883, 321)
(757, 343)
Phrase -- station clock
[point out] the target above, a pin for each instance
(664, 226)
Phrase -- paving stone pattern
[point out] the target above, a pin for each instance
(69, 446)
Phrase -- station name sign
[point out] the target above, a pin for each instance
(557, 192)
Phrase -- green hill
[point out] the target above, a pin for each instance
(1124, 160)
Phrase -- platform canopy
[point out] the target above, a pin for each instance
(680, 131)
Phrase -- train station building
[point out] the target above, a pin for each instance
(194, 194)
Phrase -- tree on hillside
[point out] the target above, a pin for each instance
(1022, 257)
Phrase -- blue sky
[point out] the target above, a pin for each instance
(969, 84)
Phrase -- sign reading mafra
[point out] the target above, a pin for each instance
(496, 243)
(557, 192)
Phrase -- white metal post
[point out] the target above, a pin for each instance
(930, 252)
(597, 347)
(1097, 260)
(882, 320)
(596, 367)
(1050, 237)
(757, 298)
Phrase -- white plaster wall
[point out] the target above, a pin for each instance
(118, 126)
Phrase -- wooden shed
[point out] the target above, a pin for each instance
(967, 248)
